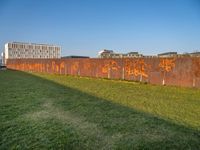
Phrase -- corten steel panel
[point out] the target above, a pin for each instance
(196, 72)
(135, 69)
(110, 68)
(180, 71)
(154, 71)
(85, 67)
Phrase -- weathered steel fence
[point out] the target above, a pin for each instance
(183, 71)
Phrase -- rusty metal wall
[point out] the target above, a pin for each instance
(180, 71)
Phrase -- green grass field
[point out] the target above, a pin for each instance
(42, 111)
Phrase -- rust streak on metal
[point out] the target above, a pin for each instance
(166, 71)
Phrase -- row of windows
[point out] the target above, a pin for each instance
(121, 55)
(26, 56)
(26, 46)
(34, 52)
(14, 53)
(33, 56)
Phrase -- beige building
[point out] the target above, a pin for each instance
(111, 54)
(168, 54)
(18, 50)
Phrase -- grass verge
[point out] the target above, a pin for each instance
(42, 111)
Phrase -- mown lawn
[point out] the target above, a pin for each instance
(41, 111)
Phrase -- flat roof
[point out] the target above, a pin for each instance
(75, 56)
(167, 53)
(195, 53)
(32, 43)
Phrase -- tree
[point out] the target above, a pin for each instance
(47, 67)
(53, 66)
(109, 66)
(137, 67)
(62, 66)
(166, 65)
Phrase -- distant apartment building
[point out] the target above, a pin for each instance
(111, 54)
(132, 54)
(168, 54)
(195, 54)
(18, 50)
(105, 53)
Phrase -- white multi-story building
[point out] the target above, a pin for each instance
(18, 50)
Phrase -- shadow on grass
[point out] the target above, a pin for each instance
(68, 118)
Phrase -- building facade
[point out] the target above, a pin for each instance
(105, 53)
(195, 54)
(168, 54)
(111, 54)
(132, 55)
(18, 50)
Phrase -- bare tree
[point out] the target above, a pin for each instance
(166, 65)
(109, 66)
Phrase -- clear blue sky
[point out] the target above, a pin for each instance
(83, 27)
